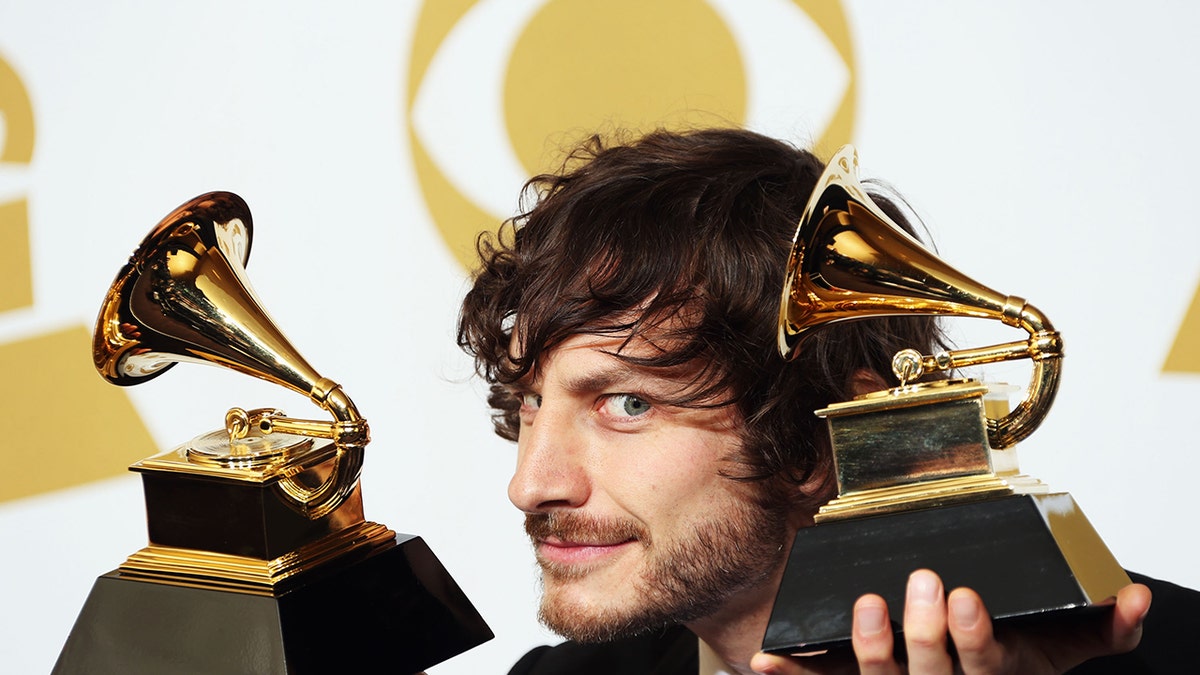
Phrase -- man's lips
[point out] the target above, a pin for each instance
(566, 552)
(571, 543)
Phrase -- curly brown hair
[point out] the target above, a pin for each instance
(680, 238)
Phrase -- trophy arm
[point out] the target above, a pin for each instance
(1028, 415)
(349, 432)
(1044, 348)
(350, 435)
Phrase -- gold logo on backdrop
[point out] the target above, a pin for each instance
(540, 74)
(16, 149)
(1184, 356)
(54, 369)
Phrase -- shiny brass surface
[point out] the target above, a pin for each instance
(257, 460)
(259, 557)
(909, 437)
(184, 296)
(1093, 564)
(937, 391)
(219, 509)
(215, 448)
(925, 475)
(914, 447)
(242, 574)
(926, 494)
(849, 260)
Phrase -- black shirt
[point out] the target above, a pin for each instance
(1165, 647)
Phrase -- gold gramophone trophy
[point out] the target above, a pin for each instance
(259, 559)
(924, 477)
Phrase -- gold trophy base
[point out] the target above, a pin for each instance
(1028, 556)
(396, 610)
(236, 579)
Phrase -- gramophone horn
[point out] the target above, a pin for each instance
(184, 296)
(849, 260)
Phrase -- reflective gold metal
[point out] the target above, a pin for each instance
(256, 529)
(914, 447)
(197, 568)
(184, 296)
(850, 261)
(257, 460)
(925, 476)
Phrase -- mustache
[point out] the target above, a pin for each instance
(579, 528)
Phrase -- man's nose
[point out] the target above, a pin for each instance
(551, 471)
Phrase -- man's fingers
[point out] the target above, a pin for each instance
(1125, 631)
(925, 624)
(971, 631)
(823, 664)
(1068, 644)
(931, 619)
(770, 664)
(872, 637)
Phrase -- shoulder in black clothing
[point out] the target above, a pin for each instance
(1166, 647)
(672, 651)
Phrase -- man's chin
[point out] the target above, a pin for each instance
(589, 623)
(608, 605)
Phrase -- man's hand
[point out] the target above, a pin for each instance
(933, 623)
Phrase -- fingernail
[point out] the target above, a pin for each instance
(870, 619)
(924, 587)
(964, 611)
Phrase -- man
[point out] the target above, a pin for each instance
(666, 453)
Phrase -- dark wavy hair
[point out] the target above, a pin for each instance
(681, 239)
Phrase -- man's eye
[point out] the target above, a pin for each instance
(626, 405)
(530, 401)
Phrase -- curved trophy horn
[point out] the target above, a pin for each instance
(184, 296)
(849, 260)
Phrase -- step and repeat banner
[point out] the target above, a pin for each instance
(1051, 150)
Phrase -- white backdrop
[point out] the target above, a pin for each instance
(1049, 145)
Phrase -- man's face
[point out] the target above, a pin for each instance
(632, 522)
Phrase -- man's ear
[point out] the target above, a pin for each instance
(822, 485)
(865, 381)
(809, 496)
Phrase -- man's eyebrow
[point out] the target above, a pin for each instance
(584, 383)
(622, 375)
(615, 374)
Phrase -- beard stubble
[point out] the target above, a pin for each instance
(683, 577)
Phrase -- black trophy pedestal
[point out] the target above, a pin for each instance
(1026, 555)
(394, 611)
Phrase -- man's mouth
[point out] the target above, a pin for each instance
(557, 551)
(572, 543)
